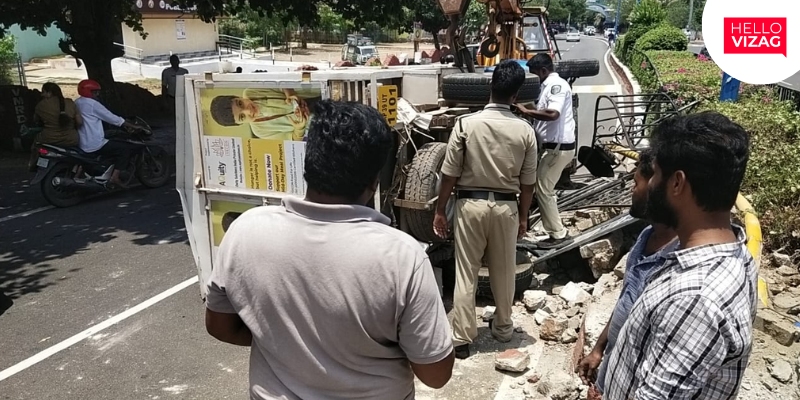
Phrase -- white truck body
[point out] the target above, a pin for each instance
(224, 170)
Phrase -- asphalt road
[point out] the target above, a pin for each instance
(793, 82)
(99, 301)
(590, 89)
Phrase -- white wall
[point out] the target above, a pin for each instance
(162, 37)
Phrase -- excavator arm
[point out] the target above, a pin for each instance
(501, 38)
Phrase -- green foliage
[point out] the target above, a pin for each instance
(678, 13)
(624, 47)
(684, 77)
(772, 182)
(8, 56)
(648, 13)
(662, 37)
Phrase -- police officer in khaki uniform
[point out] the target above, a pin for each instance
(555, 127)
(491, 159)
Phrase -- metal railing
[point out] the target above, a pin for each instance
(238, 45)
(130, 52)
(21, 78)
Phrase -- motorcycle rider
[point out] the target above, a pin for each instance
(91, 134)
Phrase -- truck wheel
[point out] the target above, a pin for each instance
(475, 88)
(422, 184)
(523, 276)
(577, 68)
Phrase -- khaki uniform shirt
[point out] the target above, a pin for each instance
(492, 150)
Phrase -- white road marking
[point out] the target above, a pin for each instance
(50, 351)
(25, 214)
(38, 210)
(588, 89)
(611, 71)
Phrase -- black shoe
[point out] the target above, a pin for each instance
(551, 243)
(462, 352)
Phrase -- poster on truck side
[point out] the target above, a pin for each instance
(222, 215)
(253, 138)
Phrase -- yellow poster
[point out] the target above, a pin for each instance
(223, 213)
(253, 137)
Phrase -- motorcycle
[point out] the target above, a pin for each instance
(68, 175)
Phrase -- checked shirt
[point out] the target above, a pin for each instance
(689, 335)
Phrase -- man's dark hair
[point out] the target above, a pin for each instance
(710, 149)
(539, 61)
(347, 145)
(645, 164)
(507, 78)
(173, 59)
(222, 110)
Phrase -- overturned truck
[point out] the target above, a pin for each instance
(227, 164)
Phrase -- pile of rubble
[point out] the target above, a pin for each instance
(568, 319)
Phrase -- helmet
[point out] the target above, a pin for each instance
(86, 87)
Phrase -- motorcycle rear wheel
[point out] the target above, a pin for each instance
(153, 170)
(58, 196)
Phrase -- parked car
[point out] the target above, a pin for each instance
(573, 36)
(358, 54)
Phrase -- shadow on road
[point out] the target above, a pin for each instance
(31, 244)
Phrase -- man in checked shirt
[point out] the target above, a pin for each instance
(689, 335)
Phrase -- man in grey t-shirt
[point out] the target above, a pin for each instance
(335, 303)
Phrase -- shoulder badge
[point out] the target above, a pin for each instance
(556, 89)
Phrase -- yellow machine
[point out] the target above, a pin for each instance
(513, 32)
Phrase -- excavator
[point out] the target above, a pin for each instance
(513, 31)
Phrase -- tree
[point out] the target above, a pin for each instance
(647, 13)
(429, 15)
(8, 56)
(575, 9)
(89, 25)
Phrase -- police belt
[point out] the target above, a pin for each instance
(485, 194)
(559, 146)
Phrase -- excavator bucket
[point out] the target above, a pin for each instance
(453, 7)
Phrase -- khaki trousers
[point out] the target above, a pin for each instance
(484, 228)
(551, 165)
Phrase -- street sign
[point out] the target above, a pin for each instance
(387, 103)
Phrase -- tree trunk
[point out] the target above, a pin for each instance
(304, 38)
(436, 43)
(91, 34)
(98, 68)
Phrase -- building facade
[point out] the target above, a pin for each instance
(170, 30)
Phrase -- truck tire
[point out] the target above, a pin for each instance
(523, 276)
(577, 68)
(422, 184)
(475, 88)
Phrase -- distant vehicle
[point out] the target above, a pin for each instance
(573, 36)
(358, 54)
(590, 31)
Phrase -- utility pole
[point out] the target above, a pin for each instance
(691, 16)
(569, 17)
(616, 22)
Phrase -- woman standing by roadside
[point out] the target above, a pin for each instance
(59, 119)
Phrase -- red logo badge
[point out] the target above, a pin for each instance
(755, 36)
